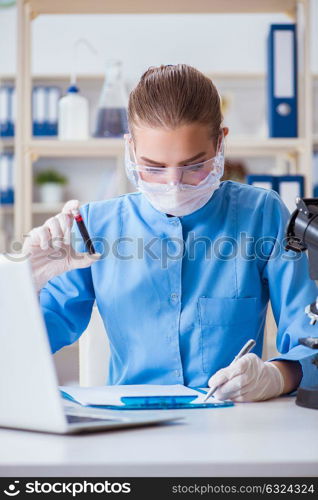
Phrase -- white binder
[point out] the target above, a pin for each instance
(53, 98)
(4, 105)
(290, 187)
(39, 104)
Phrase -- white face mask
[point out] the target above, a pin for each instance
(178, 201)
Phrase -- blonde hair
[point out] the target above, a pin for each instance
(174, 95)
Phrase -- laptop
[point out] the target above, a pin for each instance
(29, 394)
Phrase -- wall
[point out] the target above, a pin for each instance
(209, 42)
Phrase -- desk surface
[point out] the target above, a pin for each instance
(270, 438)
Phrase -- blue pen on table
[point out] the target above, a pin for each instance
(245, 349)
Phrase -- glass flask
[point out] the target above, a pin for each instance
(112, 109)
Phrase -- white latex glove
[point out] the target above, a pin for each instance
(49, 247)
(248, 379)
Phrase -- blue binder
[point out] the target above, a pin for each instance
(6, 111)
(282, 81)
(263, 181)
(45, 110)
(39, 108)
(289, 187)
(53, 97)
(6, 179)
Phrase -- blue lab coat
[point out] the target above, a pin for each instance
(179, 296)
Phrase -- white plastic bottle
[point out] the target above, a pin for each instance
(73, 116)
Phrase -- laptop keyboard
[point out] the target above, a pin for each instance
(76, 419)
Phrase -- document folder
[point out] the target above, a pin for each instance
(263, 181)
(289, 188)
(6, 179)
(7, 105)
(39, 105)
(282, 81)
(127, 397)
(53, 97)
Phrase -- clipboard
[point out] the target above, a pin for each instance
(156, 403)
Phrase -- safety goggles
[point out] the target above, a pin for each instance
(167, 178)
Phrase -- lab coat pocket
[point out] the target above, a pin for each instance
(226, 324)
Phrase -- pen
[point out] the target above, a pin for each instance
(82, 229)
(245, 349)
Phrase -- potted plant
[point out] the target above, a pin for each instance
(51, 186)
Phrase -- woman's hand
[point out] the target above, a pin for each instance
(49, 247)
(248, 379)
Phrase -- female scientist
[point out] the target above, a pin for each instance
(186, 265)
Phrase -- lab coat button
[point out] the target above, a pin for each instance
(174, 297)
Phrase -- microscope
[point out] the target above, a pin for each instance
(302, 235)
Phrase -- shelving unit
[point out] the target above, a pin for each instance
(236, 146)
(7, 142)
(37, 208)
(28, 149)
(38, 7)
(92, 147)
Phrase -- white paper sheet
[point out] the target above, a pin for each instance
(112, 394)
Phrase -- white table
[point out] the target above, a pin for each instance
(271, 438)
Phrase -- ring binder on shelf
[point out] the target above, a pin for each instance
(282, 81)
(7, 96)
(53, 96)
(263, 181)
(6, 179)
(289, 187)
(45, 110)
(39, 106)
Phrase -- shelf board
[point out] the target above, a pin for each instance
(235, 145)
(227, 75)
(230, 75)
(250, 146)
(89, 148)
(37, 208)
(51, 76)
(47, 208)
(6, 209)
(6, 142)
(38, 7)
